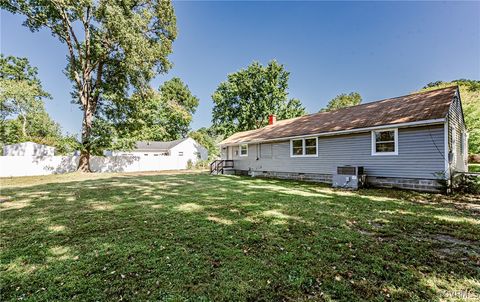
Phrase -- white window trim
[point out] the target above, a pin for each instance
(303, 147)
(374, 142)
(240, 150)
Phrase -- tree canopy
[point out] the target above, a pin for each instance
(21, 93)
(342, 101)
(153, 115)
(246, 99)
(23, 114)
(209, 139)
(470, 96)
(114, 47)
(178, 106)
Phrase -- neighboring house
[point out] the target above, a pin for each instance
(28, 149)
(187, 149)
(409, 142)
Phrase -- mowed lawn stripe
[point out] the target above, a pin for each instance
(179, 237)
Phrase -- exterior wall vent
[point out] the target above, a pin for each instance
(350, 170)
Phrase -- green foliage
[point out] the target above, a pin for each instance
(189, 164)
(151, 115)
(23, 114)
(114, 47)
(468, 183)
(474, 168)
(178, 106)
(342, 101)
(470, 95)
(207, 138)
(11, 131)
(21, 93)
(202, 165)
(250, 95)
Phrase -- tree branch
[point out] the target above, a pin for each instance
(97, 84)
(69, 34)
(86, 28)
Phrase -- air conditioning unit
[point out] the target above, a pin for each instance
(349, 177)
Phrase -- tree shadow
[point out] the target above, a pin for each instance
(232, 238)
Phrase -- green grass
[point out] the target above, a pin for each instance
(180, 237)
(474, 168)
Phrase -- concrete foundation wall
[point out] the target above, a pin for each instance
(424, 185)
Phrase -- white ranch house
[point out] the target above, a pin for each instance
(186, 148)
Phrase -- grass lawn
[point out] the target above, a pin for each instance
(474, 167)
(178, 237)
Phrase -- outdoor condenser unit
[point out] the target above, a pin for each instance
(349, 177)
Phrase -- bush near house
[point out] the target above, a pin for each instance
(181, 237)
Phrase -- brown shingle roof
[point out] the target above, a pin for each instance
(429, 105)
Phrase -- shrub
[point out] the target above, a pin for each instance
(202, 164)
(468, 183)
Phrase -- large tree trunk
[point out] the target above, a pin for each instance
(84, 162)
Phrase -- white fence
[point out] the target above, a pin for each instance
(44, 165)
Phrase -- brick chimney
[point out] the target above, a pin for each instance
(272, 119)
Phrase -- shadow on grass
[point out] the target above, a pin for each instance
(179, 237)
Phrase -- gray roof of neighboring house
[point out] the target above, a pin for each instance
(157, 146)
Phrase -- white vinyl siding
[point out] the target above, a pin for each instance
(421, 155)
(456, 128)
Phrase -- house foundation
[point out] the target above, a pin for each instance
(422, 185)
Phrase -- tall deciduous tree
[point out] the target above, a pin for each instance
(250, 95)
(113, 46)
(470, 94)
(342, 101)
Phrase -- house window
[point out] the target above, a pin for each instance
(385, 142)
(244, 150)
(180, 153)
(303, 147)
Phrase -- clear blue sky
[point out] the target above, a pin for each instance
(379, 49)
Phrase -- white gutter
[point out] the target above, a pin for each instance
(409, 124)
